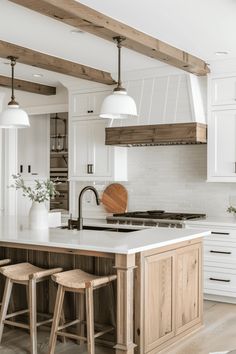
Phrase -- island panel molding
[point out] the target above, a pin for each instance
(89, 20)
(28, 86)
(48, 62)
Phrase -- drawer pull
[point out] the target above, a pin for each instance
(221, 252)
(224, 280)
(220, 233)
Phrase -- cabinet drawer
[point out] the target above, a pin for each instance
(222, 253)
(220, 280)
(223, 91)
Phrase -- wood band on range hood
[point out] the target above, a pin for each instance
(159, 134)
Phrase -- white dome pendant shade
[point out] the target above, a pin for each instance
(118, 105)
(13, 116)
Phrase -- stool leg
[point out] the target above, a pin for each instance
(5, 303)
(112, 304)
(90, 320)
(80, 315)
(33, 316)
(62, 322)
(56, 318)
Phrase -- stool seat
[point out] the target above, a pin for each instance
(4, 261)
(78, 279)
(20, 272)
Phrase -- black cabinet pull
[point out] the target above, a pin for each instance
(34, 174)
(90, 168)
(29, 169)
(91, 111)
(21, 168)
(220, 233)
(221, 252)
(223, 280)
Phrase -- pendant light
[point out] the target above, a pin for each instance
(13, 116)
(118, 105)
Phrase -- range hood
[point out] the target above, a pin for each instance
(158, 134)
(172, 111)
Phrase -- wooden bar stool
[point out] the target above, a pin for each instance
(84, 283)
(2, 263)
(28, 275)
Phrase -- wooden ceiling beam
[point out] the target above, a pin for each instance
(81, 16)
(28, 86)
(44, 61)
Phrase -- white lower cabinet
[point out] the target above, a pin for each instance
(219, 263)
(90, 158)
(222, 146)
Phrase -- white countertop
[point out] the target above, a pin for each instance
(13, 230)
(227, 221)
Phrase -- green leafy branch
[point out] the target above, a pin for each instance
(43, 191)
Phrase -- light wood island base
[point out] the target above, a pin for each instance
(159, 292)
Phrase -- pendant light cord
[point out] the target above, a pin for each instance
(119, 40)
(119, 85)
(13, 63)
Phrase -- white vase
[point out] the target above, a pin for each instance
(38, 216)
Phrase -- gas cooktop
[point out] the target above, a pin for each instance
(158, 218)
(160, 214)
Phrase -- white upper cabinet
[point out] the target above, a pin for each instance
(222, 146)
(87, 104)
(223, 91)
(90, 158)
(33, 149)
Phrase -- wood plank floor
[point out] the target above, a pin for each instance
(218, 335)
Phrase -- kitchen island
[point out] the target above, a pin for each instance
(159, 285)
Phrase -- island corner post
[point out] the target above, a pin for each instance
(125, 265)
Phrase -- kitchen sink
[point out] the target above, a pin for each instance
(99, 228)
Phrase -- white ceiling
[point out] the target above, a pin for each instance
(200, 27)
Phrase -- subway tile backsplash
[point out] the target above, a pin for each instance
(172, 178)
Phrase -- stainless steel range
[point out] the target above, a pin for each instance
(154, 218)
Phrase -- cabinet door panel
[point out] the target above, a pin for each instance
(222, 144)
(79, 104)
(79, 149)
(100, 152)
(88, 148)
(188, 286)
(159, 287)
(223, 91)
(33, 148)
(87, 104)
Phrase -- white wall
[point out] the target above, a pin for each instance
(171, 178)
(174, 178)
(34, 104)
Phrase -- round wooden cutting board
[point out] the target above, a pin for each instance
(115, 198)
